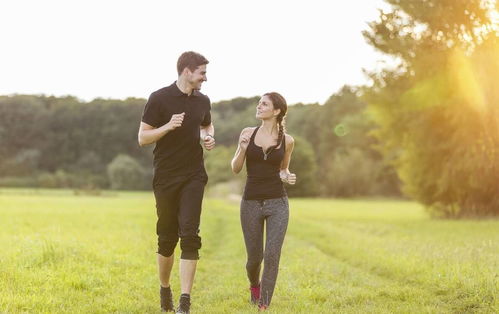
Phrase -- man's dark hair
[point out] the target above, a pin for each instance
(190, 60)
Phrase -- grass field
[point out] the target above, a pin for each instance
(64, 253)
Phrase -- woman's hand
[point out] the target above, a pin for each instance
(244, 140)
(287, 177)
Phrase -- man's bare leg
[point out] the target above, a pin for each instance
(165, 265)
(187, 272)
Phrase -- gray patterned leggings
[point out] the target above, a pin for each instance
(275, 214)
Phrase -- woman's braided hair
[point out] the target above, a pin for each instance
(279, 103)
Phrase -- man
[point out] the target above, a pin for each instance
(176, 118)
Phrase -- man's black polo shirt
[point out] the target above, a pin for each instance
(179, 151)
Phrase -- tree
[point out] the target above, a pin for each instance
(436, 111)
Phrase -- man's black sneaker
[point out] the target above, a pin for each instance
(166, 299)
(184, 305)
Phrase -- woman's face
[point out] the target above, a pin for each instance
(265, 109)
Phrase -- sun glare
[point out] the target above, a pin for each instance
(467, 83)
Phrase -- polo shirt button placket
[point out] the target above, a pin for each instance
(186, 104)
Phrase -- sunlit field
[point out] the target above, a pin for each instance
(67, 253)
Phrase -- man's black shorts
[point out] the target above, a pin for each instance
(178, 205)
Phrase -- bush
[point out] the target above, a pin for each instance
(217, 163)
(350, 173)
(47, 180)
(18, 182)
(125, 173)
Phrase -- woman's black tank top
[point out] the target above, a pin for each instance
(263, 181)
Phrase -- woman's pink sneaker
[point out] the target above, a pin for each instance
(262, 307)
(255, 294)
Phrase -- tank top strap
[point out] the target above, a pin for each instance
(252, 139)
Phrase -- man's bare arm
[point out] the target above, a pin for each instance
(149, 134)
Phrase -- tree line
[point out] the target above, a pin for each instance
(65, 142)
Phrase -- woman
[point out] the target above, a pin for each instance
(267, 150)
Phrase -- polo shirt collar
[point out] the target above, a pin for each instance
(177, 92)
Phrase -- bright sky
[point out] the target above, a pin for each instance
(306, 50)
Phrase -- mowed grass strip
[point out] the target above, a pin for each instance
(95, 254)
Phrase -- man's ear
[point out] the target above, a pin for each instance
(186, 71)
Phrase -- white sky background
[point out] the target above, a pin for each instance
(305, 50)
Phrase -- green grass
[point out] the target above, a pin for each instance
(62, 252)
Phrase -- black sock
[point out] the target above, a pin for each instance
(185, 301)
(166, 298)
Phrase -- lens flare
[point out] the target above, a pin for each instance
(341, 130)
